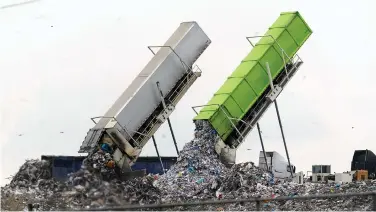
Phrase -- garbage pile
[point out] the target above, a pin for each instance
(33, 172)
(244, 181)
(198, 172)
(198, 175)
(95, 165)
(85, 190)
(247, 181)
(93, 186)
(96, 185)
(32, 183)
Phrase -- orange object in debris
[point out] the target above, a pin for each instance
(361, 175)
(220, 209)
(111, 164)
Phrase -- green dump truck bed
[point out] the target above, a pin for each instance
(250, 79)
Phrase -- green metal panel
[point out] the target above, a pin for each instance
(250, 79)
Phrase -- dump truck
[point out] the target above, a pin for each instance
(233, 111)
(150, 99)
(276, 164)
(240, 102)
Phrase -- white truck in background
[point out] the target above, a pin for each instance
(276, 164)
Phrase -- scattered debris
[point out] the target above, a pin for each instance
(198, 171)
(32, 184)
(197, 175)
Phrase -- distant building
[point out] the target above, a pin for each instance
(321, 173)
(345, 177)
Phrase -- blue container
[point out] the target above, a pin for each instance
(61, 166)
(153, 165)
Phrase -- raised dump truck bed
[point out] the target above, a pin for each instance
(238, 105)
(152, 96)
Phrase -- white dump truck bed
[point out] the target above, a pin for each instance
(138, 112)
(277, 164)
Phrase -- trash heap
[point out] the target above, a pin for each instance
(32, 183)
(86, 190)
(246, 181)
(95, 186)
(32, 171)
(95, 165)
(198, 172)
(198, 175)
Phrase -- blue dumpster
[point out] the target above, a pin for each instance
(61, 166)
(153, 165)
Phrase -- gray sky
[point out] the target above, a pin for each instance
(64, 61)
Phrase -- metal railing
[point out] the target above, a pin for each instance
(250, 200)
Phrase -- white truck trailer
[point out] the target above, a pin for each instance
(151, 98)
(276, 164)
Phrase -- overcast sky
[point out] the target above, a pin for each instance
(65, 61)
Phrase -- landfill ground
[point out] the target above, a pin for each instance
(197, 175)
